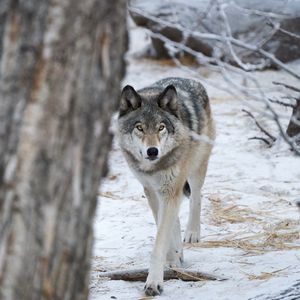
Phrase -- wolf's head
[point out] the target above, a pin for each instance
(149, 124)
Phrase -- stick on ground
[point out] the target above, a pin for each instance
(141, 275)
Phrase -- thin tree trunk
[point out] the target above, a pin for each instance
(294, 127)
(61, 63)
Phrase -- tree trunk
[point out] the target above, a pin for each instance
(61, 63)
(294, 127)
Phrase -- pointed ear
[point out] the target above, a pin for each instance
(168, 100)
(130, 100)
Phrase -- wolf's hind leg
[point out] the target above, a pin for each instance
(196, 180)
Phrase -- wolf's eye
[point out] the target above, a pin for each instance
(161, 127)
(139, 127)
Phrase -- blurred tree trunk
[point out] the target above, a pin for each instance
(61, 63)
(294, 127)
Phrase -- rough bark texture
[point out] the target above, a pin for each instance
(294, 127)
(61, 63)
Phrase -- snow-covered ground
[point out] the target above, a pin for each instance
(250, 224)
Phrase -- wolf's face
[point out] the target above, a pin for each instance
(148, 124)
(150, 139)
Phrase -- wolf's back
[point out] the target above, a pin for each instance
(193, 100)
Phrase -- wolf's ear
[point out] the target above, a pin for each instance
(130, 100)
(168, 100)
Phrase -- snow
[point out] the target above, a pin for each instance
(250, 224)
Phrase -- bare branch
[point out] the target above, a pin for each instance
(281, 103)
(290, 87)
(246, 67)
(259, 12)
(291, 141)
(259, 125)
(261, 139)
(211, 36)
(278, 28)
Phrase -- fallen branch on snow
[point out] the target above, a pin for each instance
(262, 139)
(141, 275)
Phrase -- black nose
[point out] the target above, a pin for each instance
(152, 152)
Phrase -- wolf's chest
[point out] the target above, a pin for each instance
(160, 180)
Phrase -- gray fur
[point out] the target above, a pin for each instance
(192, 98)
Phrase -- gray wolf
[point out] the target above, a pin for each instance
(166, 133)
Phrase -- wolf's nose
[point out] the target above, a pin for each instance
(152, 152)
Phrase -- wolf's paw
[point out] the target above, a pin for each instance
(191, 236)
(153, 288)
(175, 260)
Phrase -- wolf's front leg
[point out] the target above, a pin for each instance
(175, 252)
(167, 217)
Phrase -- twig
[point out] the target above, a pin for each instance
(259, 126)
(281, 103)
(235, 57)
(293, 88)
(260, 12)
(261, 139)
(294, 35)
(141, 275)
(278, 28)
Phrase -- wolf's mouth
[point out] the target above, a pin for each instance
(152, 158)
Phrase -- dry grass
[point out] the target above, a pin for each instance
(258, 243)
(185, 60)
(223, 99)
(233, 213)
(108, 194)
(283, 235)
(266, 275)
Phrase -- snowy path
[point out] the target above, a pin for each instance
(250, 225)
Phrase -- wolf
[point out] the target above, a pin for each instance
(166, 133)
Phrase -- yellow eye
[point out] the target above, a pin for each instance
(139, 127)
(161, 127)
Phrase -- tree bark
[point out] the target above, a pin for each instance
(293, 128)
(61, 63)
